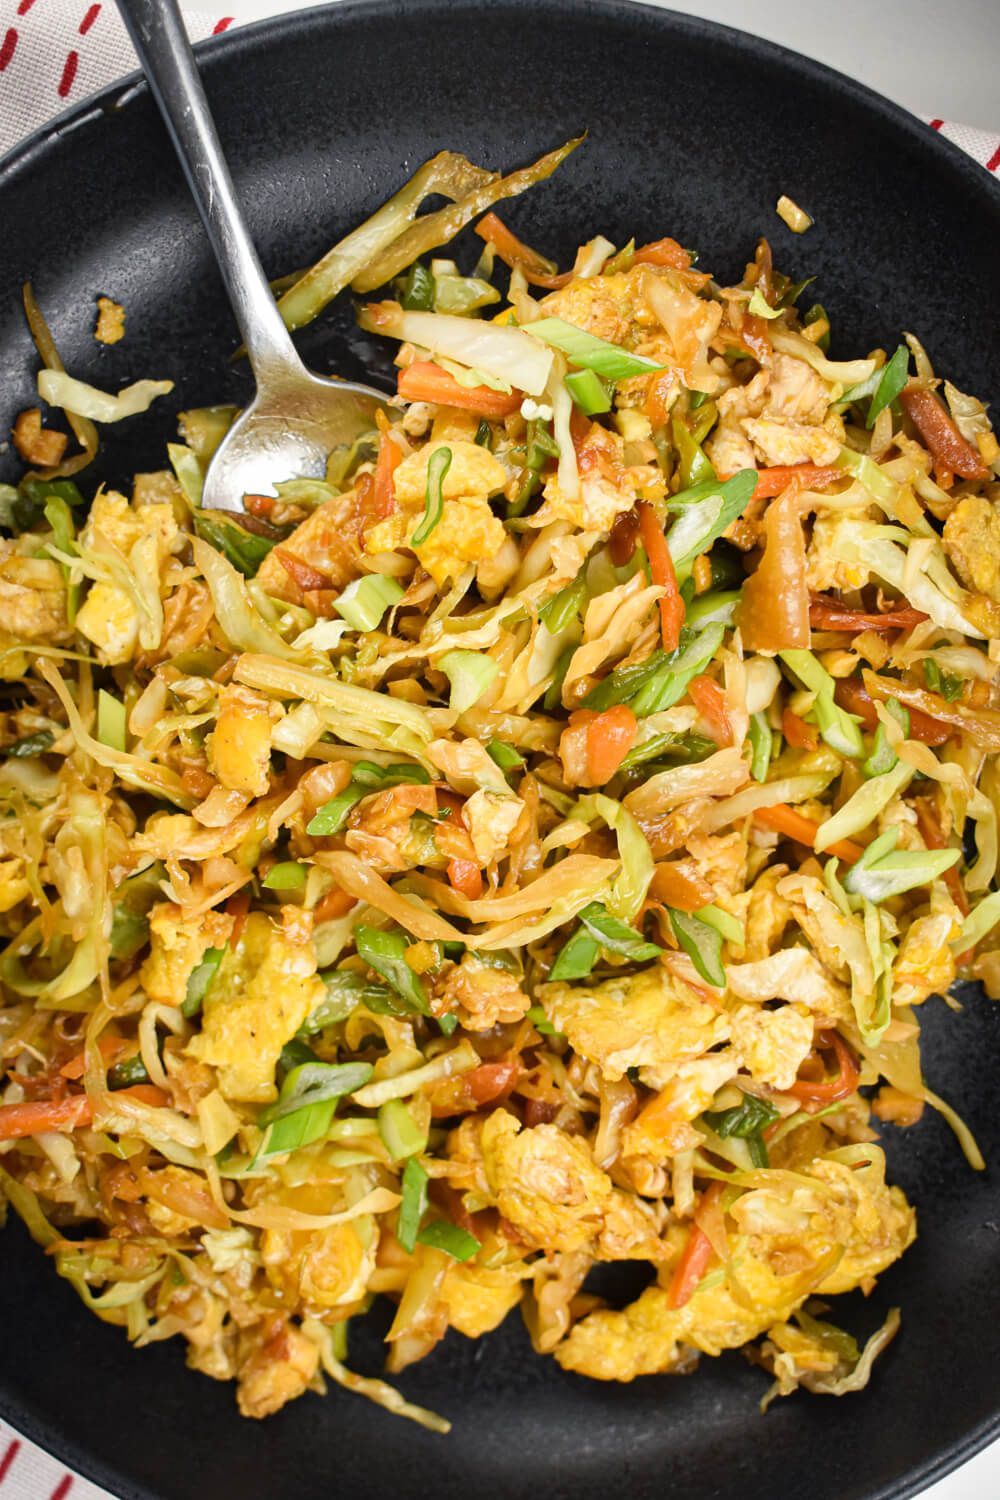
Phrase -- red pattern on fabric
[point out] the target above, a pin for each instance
(7, 47)
(994, 161)
(68, 74)
(89, 19)
(222, 25)
(936, 124)
(24, 7)
(63, 1488)
(13, 1449)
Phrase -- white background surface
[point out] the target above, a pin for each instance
(936, 57)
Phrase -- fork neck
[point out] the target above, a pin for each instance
(162, 45)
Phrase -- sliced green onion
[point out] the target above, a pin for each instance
(590, 353)
(244, 549)
(385, 952)
(401, 1135)
(577, 957)
(702, 944)
(437, 467)
(649, 749)
(414, 1203)
(125, 1075)
(759, 307)
(286, 876)
(331, 817)
(456, 1242)
(536, 1015)
(346, 989)
(945, 683)
(838, 728)
(589, 392)
(553, 693)
(980, 921)
(471, 674)
(742, 1120)
(564, 607)
(718, 608)
(724, 922)
(364, 601)
(200, 981)
(703, 520)
(761, 746)
(670, 684)
(892, 379)
(306, 1105)
(504, 756)
(417, 294)
(31, 744)
(484, 433)
(818, 314)
(693, 464)
(371, 776)
(616, 936)
(861, 810)
(883, 872)
(110, 721)
(882, 756)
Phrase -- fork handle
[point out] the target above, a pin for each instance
(162, 45)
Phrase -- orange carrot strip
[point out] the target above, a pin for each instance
(799, 734)
(661, 570)
(829, 1090)
(423, 381)
(710, 701)
(465, 876)
(695, 1256)
(610, 737)
(515, 253)
(665, 252)
(795, 825)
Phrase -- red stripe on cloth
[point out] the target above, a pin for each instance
(24, 7)
(63, 1488)
(7, 47)
(13, 1448)
(994, 161)
(68, 74)
(936, 124)
(89, 19)
(221, 26)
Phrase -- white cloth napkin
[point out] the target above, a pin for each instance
(53, 53)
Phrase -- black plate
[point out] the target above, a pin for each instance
(695, 130)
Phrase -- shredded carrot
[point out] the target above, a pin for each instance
(300, 572)
(852, 695)
(677, 883)
(799, 734)
(795, 825)
(951, 452)
(830, 614)
(665, 252)
(423, 381)
(839, 1086)
(465, 876)
(933, 836)
(111, 1049)
(710, 701)
(661, 570)
(38, 1116)
(771, 482)
(695, 1256)
(237, 907)
(390, 456)
(515, 253)
(334, 904)
(610, 737)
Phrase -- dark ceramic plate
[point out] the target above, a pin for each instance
(695, 131)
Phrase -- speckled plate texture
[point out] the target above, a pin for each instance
(694, 132)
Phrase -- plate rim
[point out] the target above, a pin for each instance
(115, 96)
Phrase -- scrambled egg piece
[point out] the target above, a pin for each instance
(176, 946)
(144, 536)
(607, 488)
(549, 1189)
(772, 1043)
(240, 745)
(831, 1239)
(824, 568)
(110, 321)
(781, 416)
(648, 1020)
(478, 1298)
(258, 1000)
(488, 996)
(491, 818)
(468, 531)
(325, 541)
(320, 1269)
(276, 1370)
(605, 306)
(925, 964)
(972, 541)
(32, 596)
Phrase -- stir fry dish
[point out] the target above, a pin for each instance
(526, 848)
